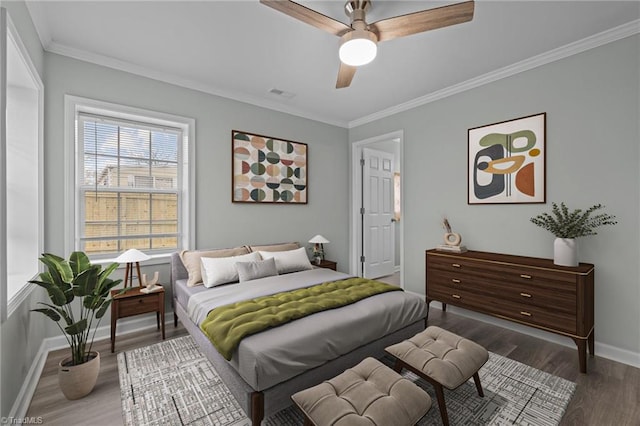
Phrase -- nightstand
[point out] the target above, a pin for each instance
(327, 264)
(135, 302)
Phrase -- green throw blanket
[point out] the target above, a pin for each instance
(227, 325)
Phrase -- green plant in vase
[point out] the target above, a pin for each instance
(567, 225)
(66, 281)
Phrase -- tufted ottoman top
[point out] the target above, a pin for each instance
(368, 394)
(441, 355)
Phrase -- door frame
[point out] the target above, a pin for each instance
(355, 233)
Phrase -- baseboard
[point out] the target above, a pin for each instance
(23, 400)
(602, 349)
(125, 326)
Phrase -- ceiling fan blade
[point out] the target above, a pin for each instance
(308, 16)
(425, 20)
(345, 75)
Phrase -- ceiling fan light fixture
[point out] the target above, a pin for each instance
(358, 47)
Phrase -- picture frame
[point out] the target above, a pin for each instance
(268, 170)
(507, 162)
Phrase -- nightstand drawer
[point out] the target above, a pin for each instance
(138, 305)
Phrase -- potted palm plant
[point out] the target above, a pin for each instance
(66, 281)
(567, 226)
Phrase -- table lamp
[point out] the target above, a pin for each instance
(130, 257)
(318, 248)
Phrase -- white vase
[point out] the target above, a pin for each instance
(565, 252)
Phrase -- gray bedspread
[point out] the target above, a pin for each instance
(277, 354)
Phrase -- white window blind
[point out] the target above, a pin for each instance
(129, 186)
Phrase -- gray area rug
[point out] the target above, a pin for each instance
(172, 383)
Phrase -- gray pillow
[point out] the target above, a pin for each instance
(248, 271)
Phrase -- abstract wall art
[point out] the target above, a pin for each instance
(268, 170)
(507, 162)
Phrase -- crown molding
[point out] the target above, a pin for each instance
(596, 40)
(605, 37)
(106, 61)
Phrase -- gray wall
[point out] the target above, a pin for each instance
(591, 100)
(22, 334)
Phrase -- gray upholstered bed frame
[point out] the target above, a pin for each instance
(258, 404)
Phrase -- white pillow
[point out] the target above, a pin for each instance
(222, 270)
(289, 261)
(248, 271)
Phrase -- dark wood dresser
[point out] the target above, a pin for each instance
(526, 290)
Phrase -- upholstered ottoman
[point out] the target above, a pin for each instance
(368, 394)
(443, 359)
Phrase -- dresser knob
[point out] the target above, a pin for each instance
(455, 296)
(525, 276)
(525, 295)
(455, 280)
(455, 265)
(526, 314)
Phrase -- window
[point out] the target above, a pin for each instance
(132, 180)
(21, 214)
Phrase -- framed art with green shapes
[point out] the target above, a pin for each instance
(506, 161)
(268, 170)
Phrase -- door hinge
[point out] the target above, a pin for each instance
(362, 259)
(361, 210)
(362, 161)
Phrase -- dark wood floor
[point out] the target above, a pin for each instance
(608, 395)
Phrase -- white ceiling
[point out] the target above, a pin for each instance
(242, 49)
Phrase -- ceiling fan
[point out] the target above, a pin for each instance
(358, 41)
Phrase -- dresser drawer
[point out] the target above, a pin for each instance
(551, 318)
(500, 271)
(137, 305)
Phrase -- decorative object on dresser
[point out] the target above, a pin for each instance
(66, 281)
(268, 170)
(567, 226)
(530, 291)
(452, 239)
(318, 248)
(131, 257)
(136, 301)
(506, 161)
(194, 391)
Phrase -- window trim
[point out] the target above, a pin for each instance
(75, 105)
(9, 33)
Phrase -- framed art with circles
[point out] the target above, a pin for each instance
(268, 170)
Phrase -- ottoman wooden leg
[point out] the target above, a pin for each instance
(476, 379)
(441, 404)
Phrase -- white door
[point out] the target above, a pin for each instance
(378, 234)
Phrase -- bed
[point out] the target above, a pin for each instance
(268, 367)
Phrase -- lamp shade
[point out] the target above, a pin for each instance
(358, 47)
(319, 239)
(132, 255)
